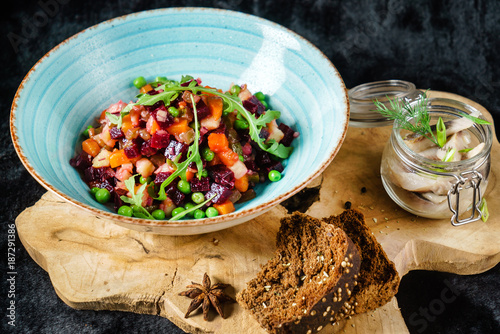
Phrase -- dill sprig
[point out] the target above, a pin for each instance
(412, 117)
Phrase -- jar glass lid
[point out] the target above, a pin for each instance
(361, 98)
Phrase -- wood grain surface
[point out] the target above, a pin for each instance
(95, 264)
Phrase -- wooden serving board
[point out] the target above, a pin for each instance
(95, 264)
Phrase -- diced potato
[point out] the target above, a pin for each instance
(102, 159)
(145, 167)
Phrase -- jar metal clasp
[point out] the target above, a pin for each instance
(465, 180)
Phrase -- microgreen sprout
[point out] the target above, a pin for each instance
(136, 199)
(483, 207)
(450, 153)
(192, 209)
(441, 132)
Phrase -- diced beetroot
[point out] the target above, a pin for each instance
(288, 134)
(116, 133)
(175, 194)
(160, 139)
(132, 149)
(251, 165)
(162, 117)
(262, 158)
(175, 148)
(147, 149)
(246, 149)
(244, 135)
(221, 193)
(100, 174)
(222, 175)
(116, 198)
(81, 161)
(202, 110)
(153, 92)
(106, 184)
(160, 177)
(276, 165)
(202, 184)
(264, 133)
(254, 106)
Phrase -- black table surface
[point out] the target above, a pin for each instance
(447, 46)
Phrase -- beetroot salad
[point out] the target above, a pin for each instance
(183, 150)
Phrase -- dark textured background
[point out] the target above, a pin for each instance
(447, 45)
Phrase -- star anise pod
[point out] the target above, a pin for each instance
(205, 295)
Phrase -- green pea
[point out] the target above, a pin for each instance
(177, 210)
(264, 103)
(140, 82)
(102, 195)
(144, 180)
(207, 154)
(199, 214)
(184, 187)
(158, 214)
(235, 90)
(240, 124)
(242, 159)
(198, 197)
(161, 79)
(204, 173)
(260, 96)
(125, 210)
(86, 131)
(274, 176)
(189, 206)
(174, 112)
(94, 190)
(211, 212)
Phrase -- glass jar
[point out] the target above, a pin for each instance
(433, 188)
(363, 114)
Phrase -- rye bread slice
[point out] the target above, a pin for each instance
(378, 279)
(308, 282)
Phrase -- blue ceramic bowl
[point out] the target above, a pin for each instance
(83, 75)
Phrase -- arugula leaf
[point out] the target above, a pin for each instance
(114, 119)
(255, 124)
(193, 155)
(136, 199)
(185, 212)
(233, 103)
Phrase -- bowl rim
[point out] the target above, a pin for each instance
(140, 222)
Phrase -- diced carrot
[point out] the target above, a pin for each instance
(126, 123)
(218, 142)
(228, 157)
(210, 94)
(189, 175)
(241, 184)
(152, 125)
(224, 208)
(91, 147)
(103, 115)
(179, 127)
(145, 89)
(215, 104)
(135, 115)
(118, 158)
